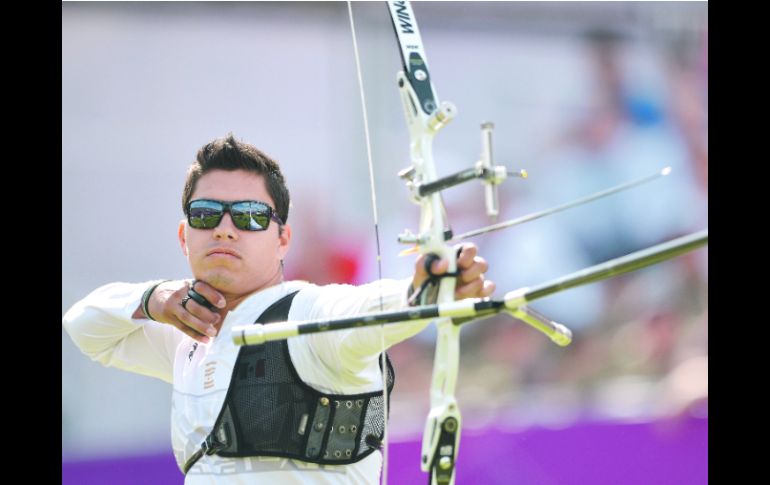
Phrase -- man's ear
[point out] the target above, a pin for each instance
(182, 238)
(284, 239)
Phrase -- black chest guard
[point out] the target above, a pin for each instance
(270, 411)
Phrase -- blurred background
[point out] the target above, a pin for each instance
(583, 96)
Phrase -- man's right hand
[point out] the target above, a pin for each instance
(192, 318)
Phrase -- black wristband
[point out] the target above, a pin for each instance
(146, 299)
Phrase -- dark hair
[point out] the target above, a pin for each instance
(230, 154)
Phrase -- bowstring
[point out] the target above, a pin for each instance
(383, 363)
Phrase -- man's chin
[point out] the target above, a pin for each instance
(221, 281)
(233, 282)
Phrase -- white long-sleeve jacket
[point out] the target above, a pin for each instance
(342, 362)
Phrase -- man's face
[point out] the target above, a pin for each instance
(231, 260)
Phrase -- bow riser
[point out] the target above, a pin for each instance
(442, 428)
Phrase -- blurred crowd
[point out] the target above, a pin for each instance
(640, 347)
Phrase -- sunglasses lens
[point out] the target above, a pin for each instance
(205, 214)
(250, 216)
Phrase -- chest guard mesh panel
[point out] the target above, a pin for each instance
(270, 411)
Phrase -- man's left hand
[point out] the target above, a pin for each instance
(470, 282)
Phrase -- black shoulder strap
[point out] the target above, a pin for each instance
(278, 311)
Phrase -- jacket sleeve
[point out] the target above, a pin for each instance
(355, 350)
(102, 327)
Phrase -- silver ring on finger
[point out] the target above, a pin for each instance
(184, 302)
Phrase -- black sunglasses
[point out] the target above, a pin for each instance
(247, 215)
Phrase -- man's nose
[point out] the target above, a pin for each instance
(226, 229)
